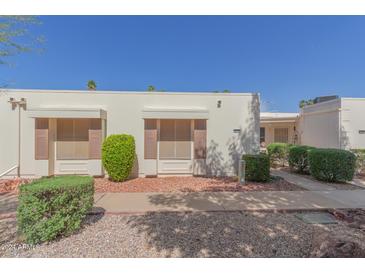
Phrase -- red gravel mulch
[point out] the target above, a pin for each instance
(11, 185)
(190, 184)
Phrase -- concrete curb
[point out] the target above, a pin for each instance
(217, 211)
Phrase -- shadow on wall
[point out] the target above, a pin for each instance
(215, 164)
(245, 141)
(344, 139)
(135, 168)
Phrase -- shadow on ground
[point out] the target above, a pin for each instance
(220, 234)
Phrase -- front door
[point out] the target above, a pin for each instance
(175, 146)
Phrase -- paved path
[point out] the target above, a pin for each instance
(358, 182)
(319, 196)
(221, 201)
(302, 181)
(8, 205)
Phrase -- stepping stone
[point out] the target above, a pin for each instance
(317, 218)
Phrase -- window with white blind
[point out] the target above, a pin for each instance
(78, 139)
(281, 135)
(175, 139)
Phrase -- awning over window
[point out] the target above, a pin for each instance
(48, 112)
(174, 113)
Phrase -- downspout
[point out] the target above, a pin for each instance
(19, 141)
(339, 126)
(18, 104)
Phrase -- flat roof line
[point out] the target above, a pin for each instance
(131, 92)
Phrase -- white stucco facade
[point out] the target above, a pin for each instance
(232, 126)
(338, 123)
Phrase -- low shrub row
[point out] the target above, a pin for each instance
(278, 153)
(298, 159)
(325, 164)
(332, 165)
(257, 167)
(53, 207)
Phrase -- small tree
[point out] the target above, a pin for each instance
(91, 85)
(151, 88)
(15, 36)
(226, 91)
(304, 103)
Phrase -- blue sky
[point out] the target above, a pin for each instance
(285, 58)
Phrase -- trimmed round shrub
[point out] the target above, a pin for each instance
(53, 207)
(332, 165)
(278, 153)
(118, 153)
(257, 167)
(298, 158)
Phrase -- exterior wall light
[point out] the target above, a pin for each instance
(219, 104)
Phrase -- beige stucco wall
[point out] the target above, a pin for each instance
(125, 115)
(352, 121)
(334, 124)
(319, 125)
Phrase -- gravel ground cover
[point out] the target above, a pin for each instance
(229, 234)
(190, 184)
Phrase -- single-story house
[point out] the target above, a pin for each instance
(337, 123)
(328, 123)
(180, 133)
(278, 127)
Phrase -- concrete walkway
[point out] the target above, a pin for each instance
(302, 181)
(228, 201)
(8, 205)
(319, 196)
(358, 182)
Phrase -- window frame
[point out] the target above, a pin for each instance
(280, 138)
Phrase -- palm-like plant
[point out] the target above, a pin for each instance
(91, 85)
(151, 88)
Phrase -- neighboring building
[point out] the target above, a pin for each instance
(331, 122)
(175, 132)
(336, 123)
(278, 128)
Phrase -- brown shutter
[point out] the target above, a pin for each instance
(95, 139)
(150, 139)
(200, 139)
(41, 139)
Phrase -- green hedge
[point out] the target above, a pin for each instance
(298, 158)
(332, 165)
(118, 153)
(278, 153)
(53, 207)
(360, 160)
(257, 167)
